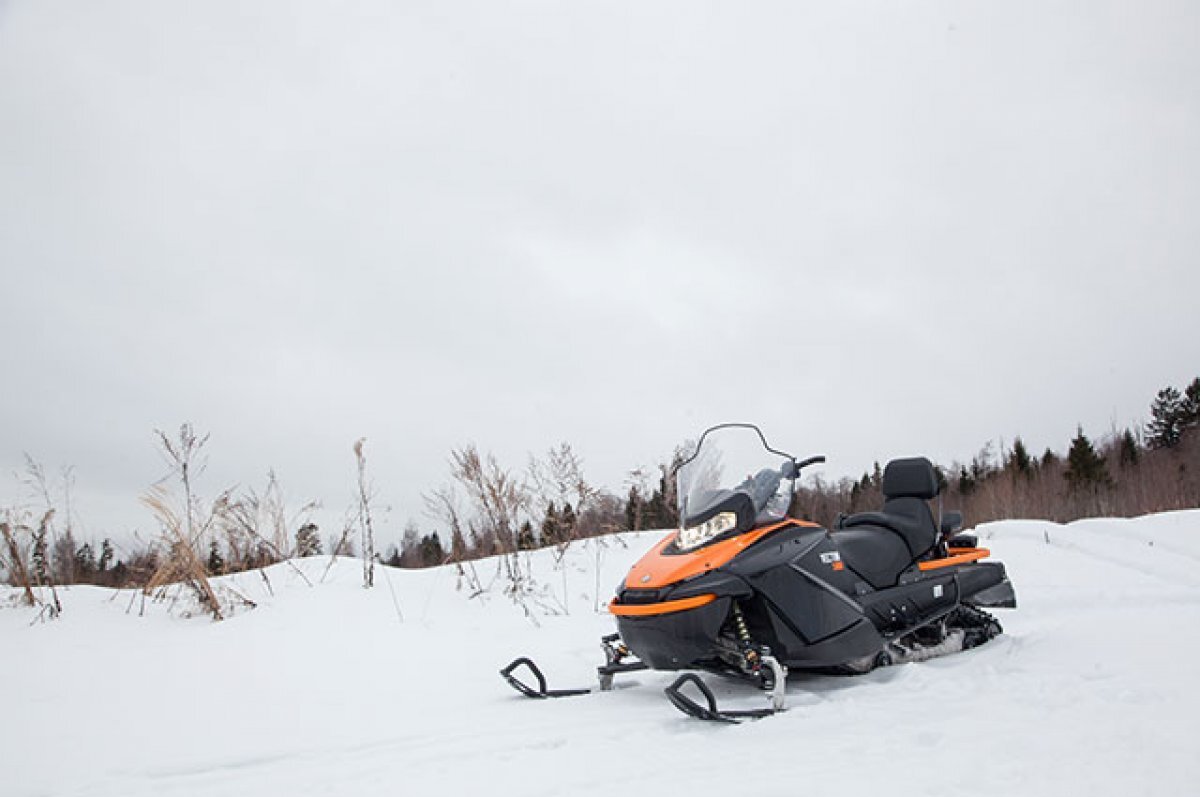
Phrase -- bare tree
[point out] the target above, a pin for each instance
(499, 500)
(443, 505)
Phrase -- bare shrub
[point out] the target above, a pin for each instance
(365, 496)
(182, 532)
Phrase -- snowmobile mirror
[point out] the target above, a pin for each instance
(951, 522)
(789, 470)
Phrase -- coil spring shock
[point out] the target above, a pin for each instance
(739, 624)
(750, 655)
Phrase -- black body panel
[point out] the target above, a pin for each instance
(816, 599)
(677, 640)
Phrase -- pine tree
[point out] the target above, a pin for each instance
(1191, 404)
(308, 540)
(1021, 462)
(106, 555)
(1128, 453)
(567, 521)
(216, 562)
(655, 514)
(551, 526)
(633, 510)
(1085, 468)
(85, 562)
(525, 539)
(966, 482)
(432, 553)
(1167, 415)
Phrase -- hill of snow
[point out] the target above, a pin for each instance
(332, 689)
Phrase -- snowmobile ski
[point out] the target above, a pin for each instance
(540, 691)
(615, 654)
(711, 713)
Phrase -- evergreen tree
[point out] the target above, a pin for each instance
(1049, 458)
(525, 539)
(432, 553)
(216, 562)
(1021, 462)
(1167, 415)
(966, 482)
(1128, 453)
(566, 523)
(1085, 468)
(393, 556)
(1191, 404)
(551, 526)
(633, 510)
(106, 555)
(85, 562)
(655, 515)
(308, 540)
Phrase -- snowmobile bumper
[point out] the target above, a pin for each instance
(676, 638)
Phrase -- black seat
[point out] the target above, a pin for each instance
(908, 484)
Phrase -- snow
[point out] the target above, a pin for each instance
(331, 689)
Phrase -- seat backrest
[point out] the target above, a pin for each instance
(908, 484)
(910, 478)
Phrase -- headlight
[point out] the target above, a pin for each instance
(696, 536)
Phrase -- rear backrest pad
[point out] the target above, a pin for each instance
(910, 478)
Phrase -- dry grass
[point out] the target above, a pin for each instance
(181, 563)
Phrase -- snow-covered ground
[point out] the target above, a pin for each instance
(336, 690)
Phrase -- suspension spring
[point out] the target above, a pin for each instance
(739, 622)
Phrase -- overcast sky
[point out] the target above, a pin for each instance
(876, 229)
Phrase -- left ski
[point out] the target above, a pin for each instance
(711, 713)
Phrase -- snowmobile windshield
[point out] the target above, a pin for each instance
(733, 475)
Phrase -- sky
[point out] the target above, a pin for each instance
(875, 229)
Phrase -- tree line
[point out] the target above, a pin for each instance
(486, 509)
(1124, 473)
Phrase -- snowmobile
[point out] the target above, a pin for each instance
(743, 589)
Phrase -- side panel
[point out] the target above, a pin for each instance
(910, 605)
(802, 610)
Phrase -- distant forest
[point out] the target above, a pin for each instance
(485, 509)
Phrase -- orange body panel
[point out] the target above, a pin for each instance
(964, 556)
(665, 607)
(656, 569)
